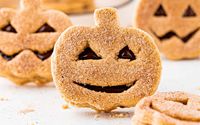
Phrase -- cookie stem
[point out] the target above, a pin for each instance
(106, 17)
(30, 4)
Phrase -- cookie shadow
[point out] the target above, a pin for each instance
(116, 114)
(33, 85)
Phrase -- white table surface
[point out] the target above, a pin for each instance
(46, 102)
(30, 105)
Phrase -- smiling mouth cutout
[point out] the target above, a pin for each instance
(171, 34)
(41, 56)
(106, 89)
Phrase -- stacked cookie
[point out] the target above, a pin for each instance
(27, 38)
(105, 67)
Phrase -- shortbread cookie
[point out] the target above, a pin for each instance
(174, 24)
(106, 66)
(27, 38)
(70, 6)
(169, 108)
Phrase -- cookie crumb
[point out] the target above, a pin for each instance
(65, 106)
(25, 111)
(34, 123)
(3, 99)
(97, 116)
(119, 115)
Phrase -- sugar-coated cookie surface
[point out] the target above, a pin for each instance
(174, 24)
(105, 66)
(168, 108)
(27, 38)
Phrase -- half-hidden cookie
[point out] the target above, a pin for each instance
(168, 108)
(27, 38)
(174, 24)
(67, 6)
(70, 6)
(105, 66)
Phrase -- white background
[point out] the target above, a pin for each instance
(45, 103)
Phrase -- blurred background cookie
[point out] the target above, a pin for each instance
(67, 6)
(27, 38)
(9, 3)
(70, 6)
(174, 24)
(80, 11)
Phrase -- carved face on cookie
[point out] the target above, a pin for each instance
(106, 66)
(174, 24)
(169, 108)
(27, 38)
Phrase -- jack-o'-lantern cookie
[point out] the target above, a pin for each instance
(169, 108)
(174, 24)
(27, 38)
(106, 66)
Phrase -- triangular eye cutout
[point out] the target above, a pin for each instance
(88, 53)
(189, 12)
(160, 11)
(45, 28)
(126, 53)
(9, 28)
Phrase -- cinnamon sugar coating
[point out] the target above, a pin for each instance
(105, 66)
(168, 108)
(27, 38)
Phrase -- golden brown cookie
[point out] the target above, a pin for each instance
(27, 38)
(9, 3)
(70, 6)
(67, 6)
(105, 66)
(174, 24)
(168, 108)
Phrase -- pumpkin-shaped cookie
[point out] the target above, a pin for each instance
(106, 66)
(27, 38)
(168, 108)
(174, 24)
